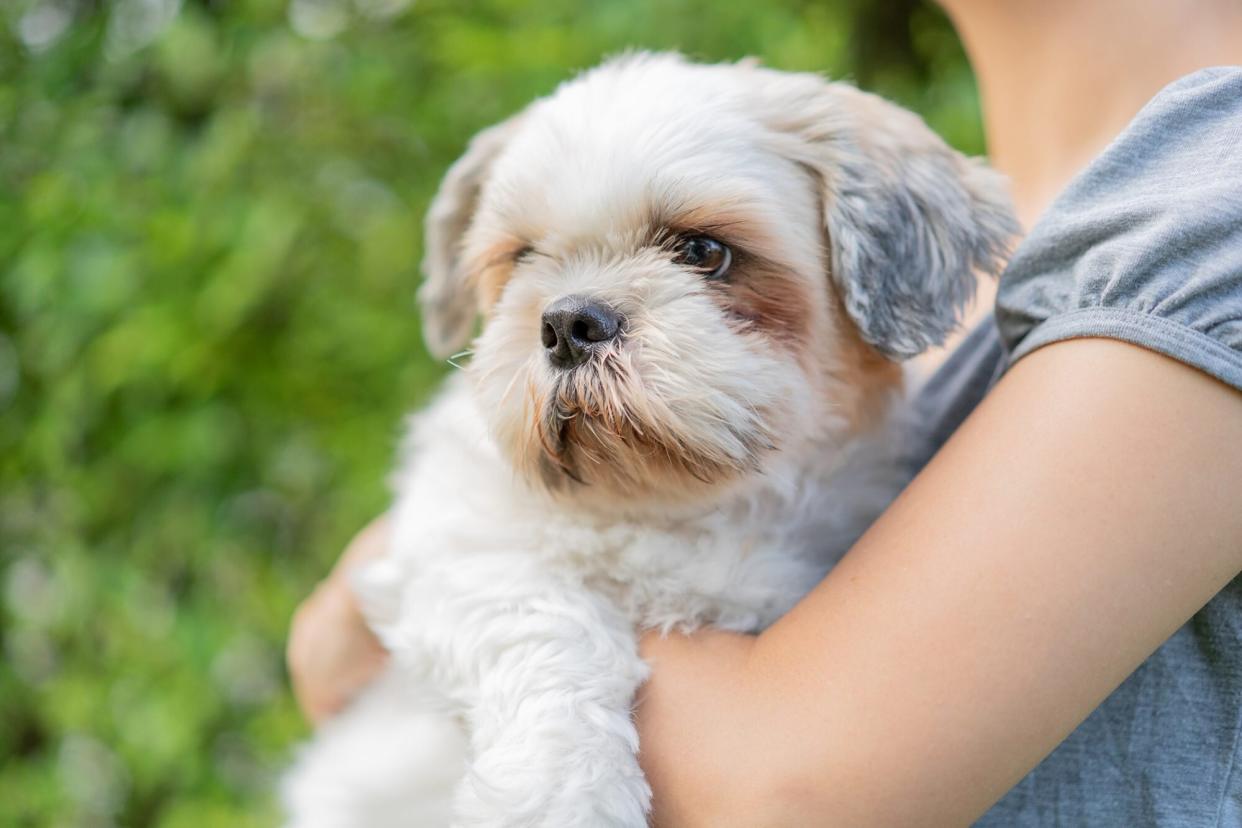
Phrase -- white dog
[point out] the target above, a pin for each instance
(697, 283)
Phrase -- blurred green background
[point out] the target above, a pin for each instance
(209, 233)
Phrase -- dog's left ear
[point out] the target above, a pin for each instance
(909, 220)
(447, 298)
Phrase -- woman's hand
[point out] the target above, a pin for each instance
(332, 653)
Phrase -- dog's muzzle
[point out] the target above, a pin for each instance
(574, 326)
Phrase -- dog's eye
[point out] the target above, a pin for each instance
(705, 254)
(523, 254)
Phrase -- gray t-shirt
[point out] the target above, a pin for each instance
(1144, 246)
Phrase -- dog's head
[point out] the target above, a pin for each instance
(685, 270)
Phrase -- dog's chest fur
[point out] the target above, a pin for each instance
(512, 618)
(739, 562)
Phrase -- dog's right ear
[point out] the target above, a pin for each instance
(447, 298)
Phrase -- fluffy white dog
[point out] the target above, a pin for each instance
(697, 283)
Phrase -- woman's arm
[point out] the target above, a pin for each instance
(1084, 512)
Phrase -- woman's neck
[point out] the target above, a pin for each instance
(1060, 78)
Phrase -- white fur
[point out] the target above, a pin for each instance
(521, 614)
(515, 585)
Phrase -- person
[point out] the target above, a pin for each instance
(1045, 628)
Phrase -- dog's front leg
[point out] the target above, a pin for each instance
(547, 671)
(553, 736)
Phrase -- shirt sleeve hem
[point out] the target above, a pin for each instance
(1155, 333)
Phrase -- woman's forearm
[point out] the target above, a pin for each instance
(1081, 515)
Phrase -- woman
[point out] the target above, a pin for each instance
(1082, 525)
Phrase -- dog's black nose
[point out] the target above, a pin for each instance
(572, 326)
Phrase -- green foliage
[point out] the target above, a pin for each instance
(209, 229)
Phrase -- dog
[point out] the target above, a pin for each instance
(697, 286)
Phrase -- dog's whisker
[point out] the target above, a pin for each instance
(459, 355)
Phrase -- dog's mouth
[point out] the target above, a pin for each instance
(599, 425)
(586, 423)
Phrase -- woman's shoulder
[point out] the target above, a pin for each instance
(1145, 245)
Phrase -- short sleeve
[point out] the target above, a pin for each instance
(1146, 244)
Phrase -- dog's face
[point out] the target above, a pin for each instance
(686, 271)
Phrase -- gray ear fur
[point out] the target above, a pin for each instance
(909, 220)
(447, 299)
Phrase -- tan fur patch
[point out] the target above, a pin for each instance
(767, 298)
(593, 430)
(491, 269)
(757, 291)
(865, 377)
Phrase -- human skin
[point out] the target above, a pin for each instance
(995, 604)
(332, 653)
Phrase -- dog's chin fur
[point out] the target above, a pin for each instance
(727, 444)
(596, 427)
